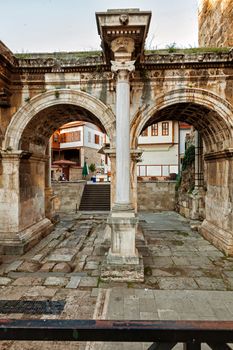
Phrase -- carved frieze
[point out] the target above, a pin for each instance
(206, 57)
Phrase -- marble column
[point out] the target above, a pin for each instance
(123, 70)
(122, 220)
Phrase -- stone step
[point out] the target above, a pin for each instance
(95, 197)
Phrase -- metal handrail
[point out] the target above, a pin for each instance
(163, 334)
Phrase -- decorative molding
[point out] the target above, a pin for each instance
(227, 153)
(189, 58)
(124, 19)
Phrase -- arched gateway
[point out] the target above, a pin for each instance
(212, 117)
(128, 90)
(25, 172)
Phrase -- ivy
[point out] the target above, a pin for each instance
(189, 157)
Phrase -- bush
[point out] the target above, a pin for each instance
(92, 168)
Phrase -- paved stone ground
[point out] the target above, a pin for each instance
(185, 276)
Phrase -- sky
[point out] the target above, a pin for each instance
(70, 25)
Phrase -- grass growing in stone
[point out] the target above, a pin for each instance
(190, 50)
(182, 233)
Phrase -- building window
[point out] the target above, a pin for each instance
(73, 136)
(154, 129)
(89, 136)
(145, 132)
(97, 139)
(165, 128)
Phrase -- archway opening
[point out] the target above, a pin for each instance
(216, 133)
(35, 169)
(26, 158)
(36, 135)
(214, 128)
(161, 139)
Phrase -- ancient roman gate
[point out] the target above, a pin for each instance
(122, 90)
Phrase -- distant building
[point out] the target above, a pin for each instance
(163, 146)
(73, 144)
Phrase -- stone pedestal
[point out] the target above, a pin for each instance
(123, 228)
(123, 262)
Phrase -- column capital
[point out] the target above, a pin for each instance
(122, 66)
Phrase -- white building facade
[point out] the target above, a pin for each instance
(162, 144)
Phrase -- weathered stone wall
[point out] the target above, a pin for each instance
(31, 186)
(218, 226)
(215, 23)
(152, 196)
(67, 195)
(155, 196)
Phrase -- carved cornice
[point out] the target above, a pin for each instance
(189, 58)
(55, 63)
(178, 61)
(94, 64)
(225, 154)
(6, 55)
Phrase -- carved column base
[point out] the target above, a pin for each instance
(122, 262)
(220, 238)
(19, 242)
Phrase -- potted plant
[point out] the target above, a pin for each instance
(92, 169)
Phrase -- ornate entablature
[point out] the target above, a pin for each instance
(186, 60)
(123, 30)
(54, 65)
(189, 58)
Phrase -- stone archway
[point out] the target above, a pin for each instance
(212, 116)
(22, 213)
(48, 99)
(199, 97)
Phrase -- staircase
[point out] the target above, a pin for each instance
(95, 197)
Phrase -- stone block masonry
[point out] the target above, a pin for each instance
(154, 196)
(215, 23)
(68, 195)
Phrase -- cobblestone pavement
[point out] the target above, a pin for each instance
(185, 276)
